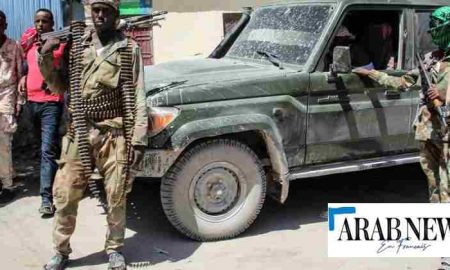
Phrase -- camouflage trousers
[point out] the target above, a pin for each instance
(8, 126)
(6, 163)
(435, 162)
(109, 155)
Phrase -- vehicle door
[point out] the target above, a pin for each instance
(351, 117)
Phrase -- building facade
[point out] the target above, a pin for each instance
(20, 14)
(193, 28)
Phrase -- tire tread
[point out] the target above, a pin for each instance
(168, 182)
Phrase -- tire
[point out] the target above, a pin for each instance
(214, 191)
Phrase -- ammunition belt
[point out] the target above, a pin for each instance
(128, 94)
(128, 107)
(106, 106)
(78, 105)
(76, 102)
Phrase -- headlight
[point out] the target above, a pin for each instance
(159, 118)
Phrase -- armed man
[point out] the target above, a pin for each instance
(107, 129)
(429, 128)
(431, 124)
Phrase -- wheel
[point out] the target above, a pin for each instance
(214, 191)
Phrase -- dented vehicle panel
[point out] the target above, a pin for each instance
(273, 92)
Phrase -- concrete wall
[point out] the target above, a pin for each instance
(193, 28)
(187, 35)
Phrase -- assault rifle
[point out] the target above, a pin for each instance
(146, 20)
(435, 104)
(124, 25)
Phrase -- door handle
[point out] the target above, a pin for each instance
(392, 94)
(333, 99)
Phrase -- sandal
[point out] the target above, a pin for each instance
(47, 208)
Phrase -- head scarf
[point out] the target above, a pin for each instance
(28, 38)
(440, 28)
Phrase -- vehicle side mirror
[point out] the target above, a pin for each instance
(342, 62)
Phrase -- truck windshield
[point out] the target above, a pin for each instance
(289, 33)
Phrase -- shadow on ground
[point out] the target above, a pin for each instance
(154, 240)
(26, 180)
(157, 241)
(308, 198)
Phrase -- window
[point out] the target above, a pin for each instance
(373, 38)
(423, 40)
(289, 33)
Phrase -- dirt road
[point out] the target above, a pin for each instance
(290, 236)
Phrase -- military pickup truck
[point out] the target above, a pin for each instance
(277, 101)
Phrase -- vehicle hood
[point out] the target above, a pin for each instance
(206, 80)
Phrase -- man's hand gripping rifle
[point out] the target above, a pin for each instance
(435, 104)
(125, 24)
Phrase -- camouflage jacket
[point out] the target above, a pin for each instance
(101, 72)
(10, 73)
(427, 125)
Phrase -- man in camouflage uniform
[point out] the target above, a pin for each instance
(434, 140)
(100, 77)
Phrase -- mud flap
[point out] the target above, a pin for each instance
(278, 187)
(284, 189)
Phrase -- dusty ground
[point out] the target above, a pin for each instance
(290, 236)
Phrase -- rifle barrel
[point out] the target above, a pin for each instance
(423, 69)
(437, 104)
(146, 17)
(64, 33)
(61, 34)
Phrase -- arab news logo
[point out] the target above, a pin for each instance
(390, 230)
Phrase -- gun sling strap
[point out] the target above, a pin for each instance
(117, 102)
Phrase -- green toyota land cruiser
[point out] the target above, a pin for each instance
(277, 101)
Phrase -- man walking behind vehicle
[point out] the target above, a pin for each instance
(45, 107)
(104, 66)
(433, 137)
(10, 73)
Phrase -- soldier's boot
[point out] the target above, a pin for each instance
(117, 261)
(57, 262)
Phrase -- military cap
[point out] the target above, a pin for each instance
(113, 3)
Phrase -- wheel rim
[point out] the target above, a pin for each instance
(218, 191)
